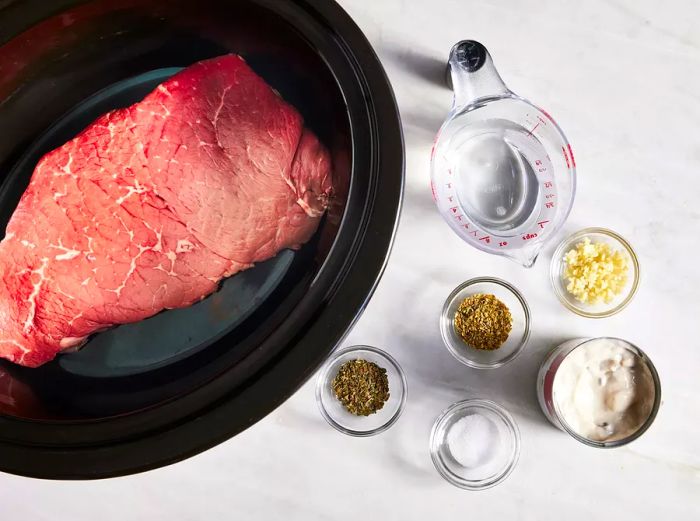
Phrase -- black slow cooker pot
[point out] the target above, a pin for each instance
(148, 394)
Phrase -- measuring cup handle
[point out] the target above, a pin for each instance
(471, 73)
(470, 54)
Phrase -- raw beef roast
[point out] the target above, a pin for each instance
(151, 206)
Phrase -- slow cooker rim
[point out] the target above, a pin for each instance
(103, 460)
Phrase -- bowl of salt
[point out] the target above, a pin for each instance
(475, 444)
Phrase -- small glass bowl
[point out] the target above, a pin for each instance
(503, 460)
(558, 265)
(517, 339)
(338, 416)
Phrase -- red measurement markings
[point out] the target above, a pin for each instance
(571, 153)
(449, 171)
(466, 225)
(533, 128)
(473, 233)
(539, 166)
(542, 223)
(486, 239)
(432, 189)
(503, 243)
(459, 217)
(548, 184)
(454, 209)
(563, 150)
(450, 198)
(449, 185)
(549, 196)
(550, 204)
(529, 236)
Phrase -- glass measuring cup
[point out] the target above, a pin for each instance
(503, 174)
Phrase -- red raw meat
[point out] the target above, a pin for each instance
(151, 206)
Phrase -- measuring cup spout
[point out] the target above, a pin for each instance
(472, 75)
(525, 256)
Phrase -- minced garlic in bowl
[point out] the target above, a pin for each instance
(594, 272)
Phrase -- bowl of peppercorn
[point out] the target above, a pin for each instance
(485, 323)
(361, 391)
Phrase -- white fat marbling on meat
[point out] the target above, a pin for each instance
(68, 255)
(36, 287)
(135, 189)
(307, 209)
(130, 272)
(71, 344)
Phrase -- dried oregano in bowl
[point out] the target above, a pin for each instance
(361, 386)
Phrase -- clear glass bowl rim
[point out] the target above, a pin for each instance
(526, 311)
(323, 378)
(557, 259)
(446, 415)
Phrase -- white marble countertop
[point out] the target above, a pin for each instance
(622, 78)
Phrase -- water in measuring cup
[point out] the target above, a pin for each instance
(496, 183)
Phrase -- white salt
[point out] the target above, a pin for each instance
(473, 440)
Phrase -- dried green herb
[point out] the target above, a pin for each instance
(361, 386)
(483, 321)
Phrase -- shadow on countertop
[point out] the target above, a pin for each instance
(421, 121)
(423, 125)
(419, 62)
(427, 361)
